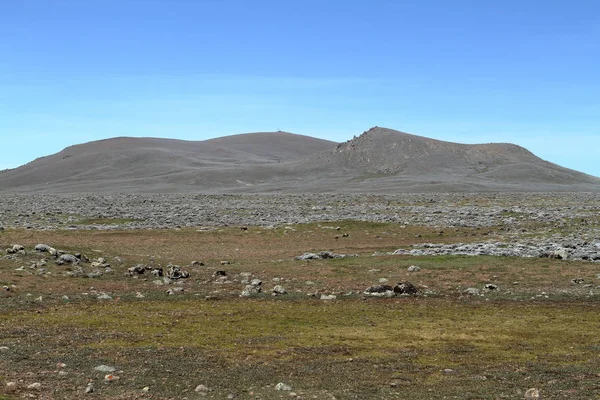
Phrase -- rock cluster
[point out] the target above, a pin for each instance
(560, 249)
(400, 289)
(322, 255)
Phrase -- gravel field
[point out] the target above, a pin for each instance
(166, 211)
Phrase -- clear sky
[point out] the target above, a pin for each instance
(470, 71)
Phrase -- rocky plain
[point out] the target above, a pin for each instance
(185, 296)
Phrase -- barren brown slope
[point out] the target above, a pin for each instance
(380, 160)
(147, 164)
(386, 158)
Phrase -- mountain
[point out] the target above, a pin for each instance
(388, 158)
(380, 160)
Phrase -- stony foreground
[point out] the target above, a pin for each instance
(311, 297)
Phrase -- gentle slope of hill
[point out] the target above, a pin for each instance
(380, 160)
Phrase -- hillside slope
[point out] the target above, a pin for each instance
(380, 160)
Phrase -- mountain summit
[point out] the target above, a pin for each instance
(379, 160)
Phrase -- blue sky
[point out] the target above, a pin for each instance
(526, 72)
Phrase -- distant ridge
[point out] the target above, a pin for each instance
(379, 160)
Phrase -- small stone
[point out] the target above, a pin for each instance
(249, 290)
(490, 286)
(413, 268)
(383, 280)
(146, 389)
(577, 281)
(449, 371)
(4, 348)
(89, 388)
(67, 259)
(65, 298)
(405, 288)
(43, 248)
(328, 297)
(111, 378)
(472, 291)
(104, 296)
(105, 368)
(279, 290)
(225, 262)
(532, 394)
(35, 386)
(202, 389)
(11, 384)
(60, 365)
(282, 386)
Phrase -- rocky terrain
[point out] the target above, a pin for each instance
(380, 160)
(164, 296)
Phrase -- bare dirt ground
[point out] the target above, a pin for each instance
(481, 326)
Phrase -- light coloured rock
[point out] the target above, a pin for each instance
(43, 248)
(202, 389)
(105, 368)
(104, 296)
(472, 291)
(413, 268)
(279, 290)
(328, 297)
(35, 386)
(249, 290)
(283, 386)
(532, 394)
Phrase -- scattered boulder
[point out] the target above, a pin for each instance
(472, 291)
(105, 368)
(89, 388)
(67, 259)
(136, 270)
(577, 281)
(201, 389)
(283, 386)
(490, 286)
(253, 288)
(219, 273)
(322, 256)
(413, 268)
(175, 272)
(43, 248)
(104, 296)
(279, 290)
(380, 291)
(532, 394)
(405, 288)
(328, 297)
(16, 248)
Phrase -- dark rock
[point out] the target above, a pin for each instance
(175, 272)
(405, 288)
(379, 289)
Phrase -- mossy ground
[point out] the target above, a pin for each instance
(537, 330)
